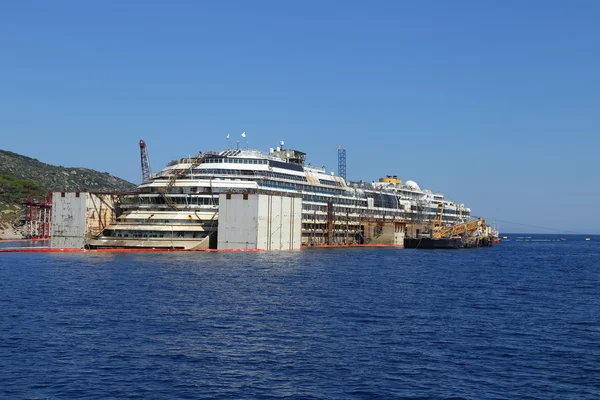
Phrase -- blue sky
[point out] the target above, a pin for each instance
(494, 103)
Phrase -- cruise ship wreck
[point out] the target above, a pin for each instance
(184, 205)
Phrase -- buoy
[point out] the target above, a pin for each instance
(587, 238)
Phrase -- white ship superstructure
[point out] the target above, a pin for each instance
(179, 206)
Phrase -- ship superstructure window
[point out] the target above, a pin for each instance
(385, 200)
(330, 183)
(284, 165)
(286, 176)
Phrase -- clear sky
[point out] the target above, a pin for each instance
(494, 103)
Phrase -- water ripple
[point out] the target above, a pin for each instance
(519, 320)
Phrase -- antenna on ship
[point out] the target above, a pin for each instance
(246, 140)
(228, 143)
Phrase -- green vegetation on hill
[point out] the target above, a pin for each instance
(13, 190)
(51, 177)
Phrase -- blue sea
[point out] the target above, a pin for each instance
(520, 320)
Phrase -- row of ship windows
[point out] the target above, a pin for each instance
(448, 211)
(435, 210)
(339, 203)
(242, 172)
(324, 199)
(386, 201)
(321, 226)
(340, 212)
(235, 161)
(391, 201)
(202, 174)
(337, 209)
(336, 217)
(191, 220)
(296, 187)
(190, 200)
(330, 183)
(272, 163)
(199, 200)
(270, 184)
(269, 174)
(151, 234)
(381, 201)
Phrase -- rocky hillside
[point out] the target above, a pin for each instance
(51, 177)
(22, 176)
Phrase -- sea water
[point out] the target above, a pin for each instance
(519, 320)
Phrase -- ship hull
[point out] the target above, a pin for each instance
(446, 243)
(162, 243)
(428, 243)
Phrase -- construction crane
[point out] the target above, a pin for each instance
(342, 162)
(469, 226)
(437, 220)
(174, 175)
(164, 190)
(146, 172)
(438, 231)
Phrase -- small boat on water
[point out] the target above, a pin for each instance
(562, 239)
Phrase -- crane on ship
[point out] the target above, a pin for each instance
(173, 176)
(146, 172)
(164, 190)
(439, 231)
(437, 224)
